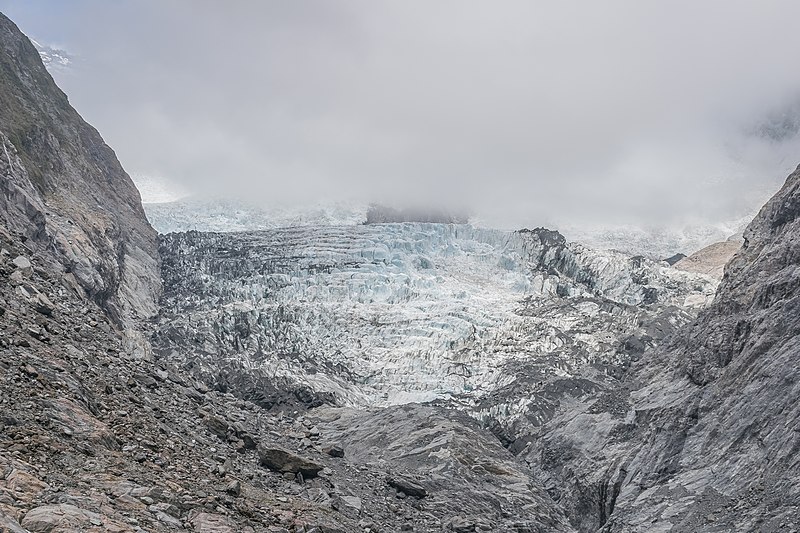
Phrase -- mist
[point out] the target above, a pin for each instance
(620, 112)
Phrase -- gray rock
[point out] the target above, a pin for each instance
(42, 304)
(165, 507)
(62, 517)
(213, 523)
(145, 380)
(23, 265)
(349, 506)
(334, 450)
(461, 524)
(168, 520)
(234, 488)
(216, 425)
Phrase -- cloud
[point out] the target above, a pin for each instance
(632, 110)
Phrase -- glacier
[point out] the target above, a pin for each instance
(378, 315)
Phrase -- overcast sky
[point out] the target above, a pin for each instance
(606, 110)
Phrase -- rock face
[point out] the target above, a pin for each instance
(65, 191)
(703, 441)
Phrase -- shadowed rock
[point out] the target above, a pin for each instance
(281, 460)
(407, 487)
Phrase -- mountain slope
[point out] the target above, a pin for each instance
(65, 190)
(706, 439)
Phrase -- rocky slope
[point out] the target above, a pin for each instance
(65, 191)
(705, 436)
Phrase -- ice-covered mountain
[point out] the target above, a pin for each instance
(229, 215)
(53, 58)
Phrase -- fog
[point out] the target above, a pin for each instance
(608, 112)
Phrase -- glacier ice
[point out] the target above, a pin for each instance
(377, 315)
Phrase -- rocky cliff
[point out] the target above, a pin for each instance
(704, 433)
(65, 191)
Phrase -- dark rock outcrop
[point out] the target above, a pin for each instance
(671, 260)
(284, 461)
(379, 214)
(407, 486)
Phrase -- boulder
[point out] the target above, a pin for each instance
(234, 488)
(26, 487)
(23, 265)
(212, 523)
(460, 524)
(74, 420)
(42, 304)
(280, 460)
(407, 487)
(216, 425)
(62, 517)
(349, 506)
(334, 450)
